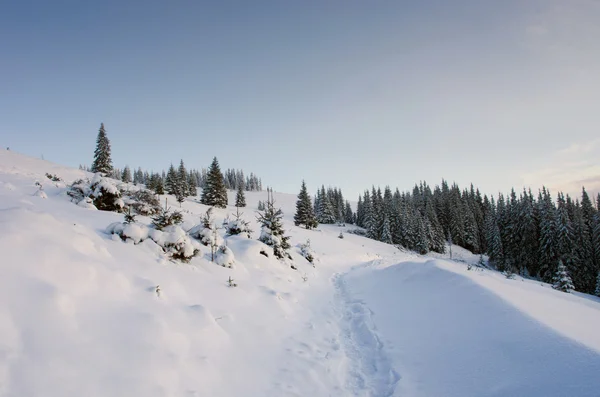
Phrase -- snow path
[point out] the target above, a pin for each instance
(336, 350)
(370, 370)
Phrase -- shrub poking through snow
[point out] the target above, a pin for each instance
(341, 235)
(224, 256)
(129, 231)
(144, 202)
(231, 282)
(53, 177)
(206, 231)
(177, 243)
(174, 241)
(166, 218)
(238, 226)
(509, 274)
(562, 280)
(79, 190)
(105, 194)
(272, 232)
(111, 195)
(129, 217)
(307, 252)
(40, 192)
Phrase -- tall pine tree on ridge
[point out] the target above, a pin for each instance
(102, 160)
(215, 192)
(304, 210)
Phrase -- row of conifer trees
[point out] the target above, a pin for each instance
(520, 233)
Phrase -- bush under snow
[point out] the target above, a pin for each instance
(172, 239)
(111, 195)
(224, 256)
(307, 252)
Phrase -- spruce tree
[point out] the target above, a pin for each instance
(102, 161)
(597, 290)
(126, 175)
(182, 181)
(386, 233)
(548, 236)
(272, 232)
(348, 214)
(304, 210)
(240, 197)
(562, 280)
(171, 181)
(214, 192)
(192, 185)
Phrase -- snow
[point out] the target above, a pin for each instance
(83, 313)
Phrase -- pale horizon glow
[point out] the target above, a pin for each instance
(347, 94)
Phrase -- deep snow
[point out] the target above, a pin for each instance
(80, 314)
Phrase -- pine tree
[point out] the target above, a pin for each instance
(494, 242)
(304, 210)
(240, 197)
(126, 175)
(325, 213)
(562, 281)
(386, 233)
(272, 232)
(214, 192)
(597, 290)
(548, 235)
(171, 181)
(192, 185)
(348, 214)
(159, 187)
(182, 181)
(102, 161)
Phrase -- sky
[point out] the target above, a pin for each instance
(343, 93)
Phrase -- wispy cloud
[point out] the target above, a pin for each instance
(570, 169)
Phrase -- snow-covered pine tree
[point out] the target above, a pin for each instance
(159, 187)
(272, 232)
(562, 280)
(126, 175)
(325, 213)
(102, 160)
(192, 185)
(422, 245)
(348, 214)
(171, 180)
(238, 226)
(182, 181)
(494, 242)
(304, 210)
(215, 192)
(386, 233)
(240, 197)
(548, 243)
(564, 234)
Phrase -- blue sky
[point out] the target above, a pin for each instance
(344, 93)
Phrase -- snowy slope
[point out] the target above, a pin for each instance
(79, 313)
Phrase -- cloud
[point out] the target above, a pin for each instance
(569, 169)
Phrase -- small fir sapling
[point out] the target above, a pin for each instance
(129, 217)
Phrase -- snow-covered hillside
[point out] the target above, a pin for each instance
(80, 314)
